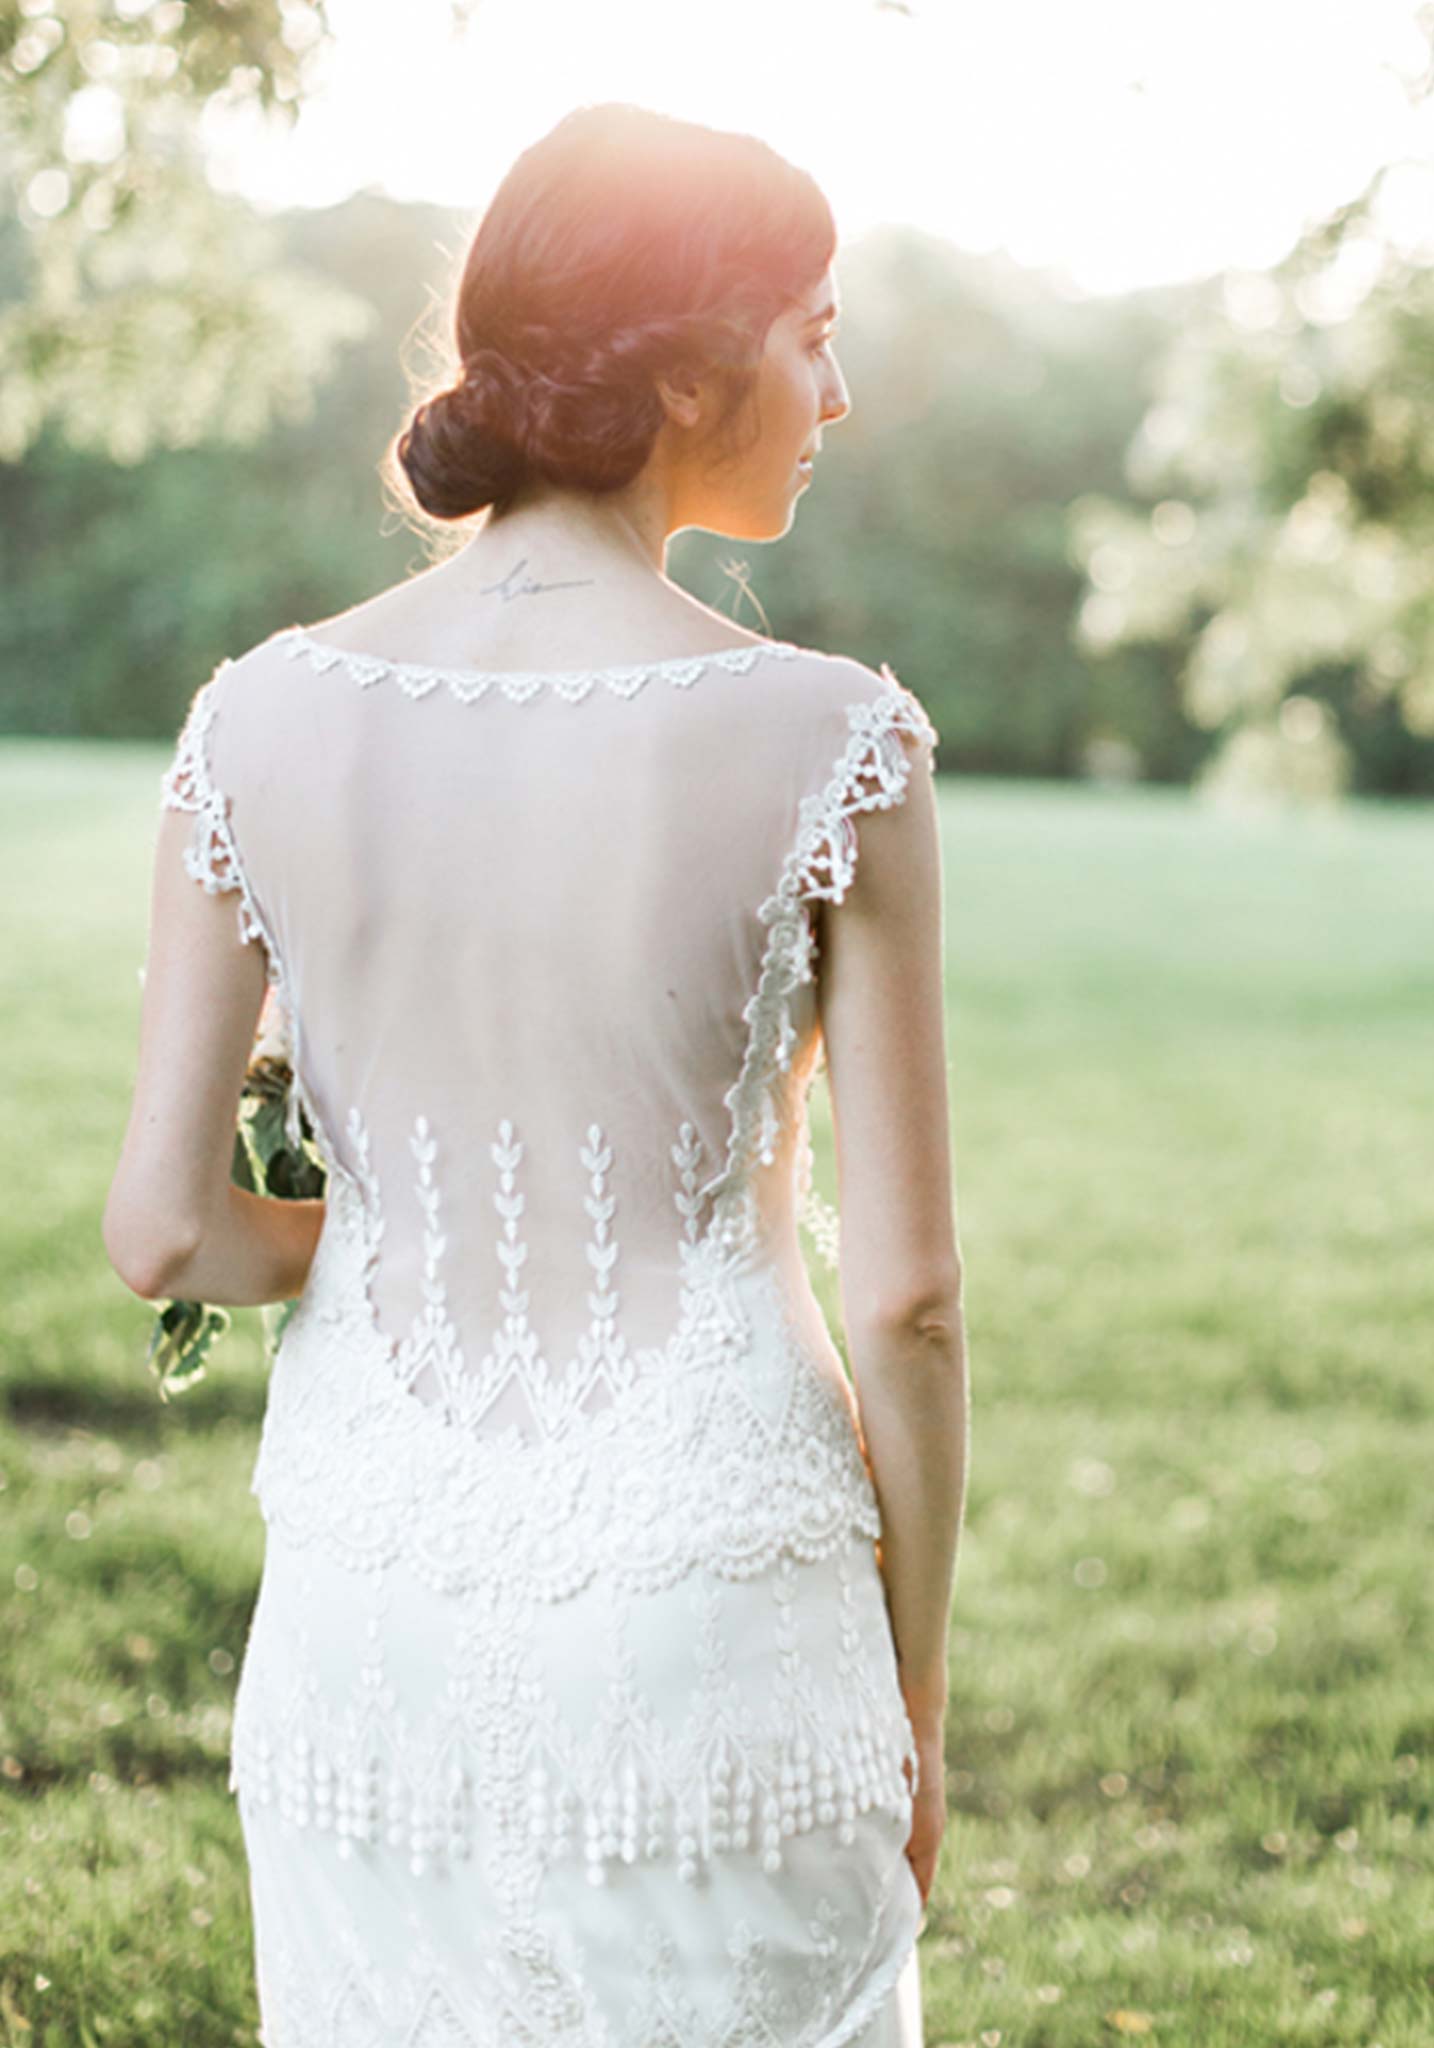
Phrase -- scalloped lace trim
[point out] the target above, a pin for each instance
(520, 686)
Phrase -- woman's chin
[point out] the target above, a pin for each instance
(767, 523)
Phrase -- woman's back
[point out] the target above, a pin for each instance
(544, 943)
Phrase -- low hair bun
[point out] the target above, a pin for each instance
(463, 448)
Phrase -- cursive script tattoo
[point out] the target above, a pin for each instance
(508, 586)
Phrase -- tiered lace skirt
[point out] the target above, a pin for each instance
(626, 1820)
(594, 1745)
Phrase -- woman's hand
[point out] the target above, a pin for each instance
(928, 1817)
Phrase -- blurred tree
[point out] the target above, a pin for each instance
(150, 310)
(1282, 537)
(934, 537)
(154, 312)
(984, 400)
(125, 583)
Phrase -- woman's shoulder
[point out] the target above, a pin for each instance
(403, 627)
(853, 687)
(382, 633)
(420, 622)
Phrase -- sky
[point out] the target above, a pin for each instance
(1113, 144)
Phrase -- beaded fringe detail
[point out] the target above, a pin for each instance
(428, 1804)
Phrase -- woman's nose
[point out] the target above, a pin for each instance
(838, 401)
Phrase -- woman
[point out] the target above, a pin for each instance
(579, 1704)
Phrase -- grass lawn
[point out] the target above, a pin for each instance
(1192, 1695)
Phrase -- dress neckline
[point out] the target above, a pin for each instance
(417, 678)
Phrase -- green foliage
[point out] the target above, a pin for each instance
(1278, 528)
(983, 402)
(179, 1343)
(1180, 533)
(946, 518)
(146, 308)
(265, 1163)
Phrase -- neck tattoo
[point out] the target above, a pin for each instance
(509, 586)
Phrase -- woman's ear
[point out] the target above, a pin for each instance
(683, 396)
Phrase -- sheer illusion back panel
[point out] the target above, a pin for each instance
(524, 937)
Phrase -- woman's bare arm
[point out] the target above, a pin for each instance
(174, 1224)
(882, 1004)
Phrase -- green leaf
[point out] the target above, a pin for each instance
(180, 1339)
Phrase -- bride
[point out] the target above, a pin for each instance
(596, 1685)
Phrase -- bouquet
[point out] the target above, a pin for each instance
(264, 1163)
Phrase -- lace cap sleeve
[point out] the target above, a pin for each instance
(870, 771)
(212, 856)
(871, 774)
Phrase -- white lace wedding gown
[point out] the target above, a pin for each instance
(569, 1714)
